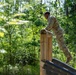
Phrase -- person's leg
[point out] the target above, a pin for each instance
(63, 47)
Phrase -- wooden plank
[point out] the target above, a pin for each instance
(49, 48)
(42, 52)
(63, 65)
(56, 68)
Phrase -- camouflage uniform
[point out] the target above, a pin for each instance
(58, 31)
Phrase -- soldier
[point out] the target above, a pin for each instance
(58, 31)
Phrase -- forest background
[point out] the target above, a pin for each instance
(20, 25)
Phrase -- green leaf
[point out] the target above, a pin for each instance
(17, 22)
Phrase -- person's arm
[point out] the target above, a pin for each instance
(50, 23)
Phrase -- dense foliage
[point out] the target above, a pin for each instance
(20, 25)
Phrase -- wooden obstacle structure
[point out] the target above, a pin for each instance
(45, 48)
(57, 67)
(49, 66)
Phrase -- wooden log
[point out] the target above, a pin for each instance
(45, 48)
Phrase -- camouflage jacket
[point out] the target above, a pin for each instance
(53, 25)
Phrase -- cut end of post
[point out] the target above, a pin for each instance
(43, 31)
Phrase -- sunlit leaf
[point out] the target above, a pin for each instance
(1, 34)
(3, 51)
(20, 14)
(17, 22)
(2, 18)
(3, 30)
(27, 7)
(3, 4)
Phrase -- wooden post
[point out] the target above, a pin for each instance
(45, 48)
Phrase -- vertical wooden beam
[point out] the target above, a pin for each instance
(45, 48)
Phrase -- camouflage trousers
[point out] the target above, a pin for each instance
(62, 45)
